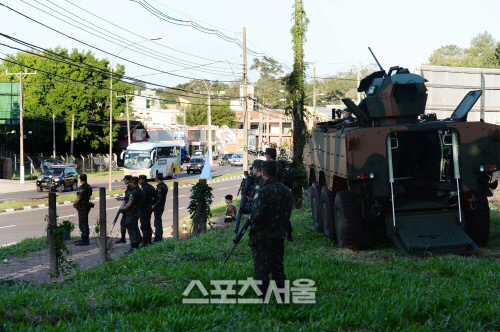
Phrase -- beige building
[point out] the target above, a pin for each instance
(271, 126)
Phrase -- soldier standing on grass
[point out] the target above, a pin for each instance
(132, 212)
(150, 197)
(82, 204)
(285, 176)
(159, 206)
(123, 228)
(272, 206)
(259, 181)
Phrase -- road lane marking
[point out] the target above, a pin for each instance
(223, 188)
(8, 227)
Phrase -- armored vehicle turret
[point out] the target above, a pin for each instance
(427, 179)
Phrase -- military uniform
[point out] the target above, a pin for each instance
(272, 206)
(259, 181)
(150, 197)
(83, 207)
(132, 215)
(161, 191)
(123, 226)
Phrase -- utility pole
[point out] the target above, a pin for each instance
(20, 75)
(72, 132)
(54, 137)
(245, 108)
(128, 117)
(314, 94)
(210, 157)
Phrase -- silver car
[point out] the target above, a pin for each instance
(237, 160)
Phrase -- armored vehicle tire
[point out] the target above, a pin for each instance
(478, 222)
(39, 189)
(348, 222)
(316, 207)
(62, 187)
(326, 202)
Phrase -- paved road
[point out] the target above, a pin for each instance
(216, 170)
(15, 226)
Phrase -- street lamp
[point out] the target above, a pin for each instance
(209, 112)
(269, 106)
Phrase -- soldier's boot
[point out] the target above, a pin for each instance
(122, 239)
(133, 246)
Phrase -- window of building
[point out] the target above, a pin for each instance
(264, 127)
(148, 103)
(274, 128)
(286, 128)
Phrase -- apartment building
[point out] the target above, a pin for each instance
(271, 126)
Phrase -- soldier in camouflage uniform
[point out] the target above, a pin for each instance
(123, 228)
(150, 197)
(257, 183)
(159, 206)
(132, 212)
(272, 206)
(82, 204)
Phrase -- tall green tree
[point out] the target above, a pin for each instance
(295, 84)
(267, 88)
(55, 90)
(222, 114)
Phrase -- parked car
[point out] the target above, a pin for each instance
(195, 165)
(51, 162)
(185, 158)
(228, 157)
(237, 160)
(58, 177)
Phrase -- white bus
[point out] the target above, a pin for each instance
(152, 158)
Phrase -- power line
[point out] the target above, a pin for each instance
(97, 48)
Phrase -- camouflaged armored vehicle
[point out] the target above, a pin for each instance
(427, 179)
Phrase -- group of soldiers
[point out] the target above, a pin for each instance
(140, 202)
(267, 199)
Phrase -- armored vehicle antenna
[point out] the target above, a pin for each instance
(378, 63)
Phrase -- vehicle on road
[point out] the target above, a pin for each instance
(51, 162)
(395, 168)
(185, 158)
(237, 160)
(58, 177)
(195, 165)
(151, 158)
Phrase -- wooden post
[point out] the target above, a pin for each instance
(52, 237)
(175, 225)
(103, 241)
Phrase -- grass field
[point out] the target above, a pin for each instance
(373, 290)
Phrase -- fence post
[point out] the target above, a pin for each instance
(175, 225)
(52, 236)
(103, 248)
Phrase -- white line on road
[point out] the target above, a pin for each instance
(8, 244)
(8, 226)
(223, 188)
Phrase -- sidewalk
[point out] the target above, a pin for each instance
(14, 186)
(35, 266)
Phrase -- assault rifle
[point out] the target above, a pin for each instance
(238, 237)
(117, 215)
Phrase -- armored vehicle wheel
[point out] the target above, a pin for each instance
(61, 188)
(327, 200)
(316, 207)
(348, 222)
(39, 189)
(478, 222)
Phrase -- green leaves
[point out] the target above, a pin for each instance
(46, 94)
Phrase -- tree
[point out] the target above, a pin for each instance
(46, 94)
(196, 114)
(295, 82)
(483, 52)
(268, 67)
(267, 88)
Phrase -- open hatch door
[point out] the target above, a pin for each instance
(460, 113)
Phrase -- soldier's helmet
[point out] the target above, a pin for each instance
(83, 177)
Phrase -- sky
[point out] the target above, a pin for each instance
(400, 33)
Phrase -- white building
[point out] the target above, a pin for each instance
(147, 109)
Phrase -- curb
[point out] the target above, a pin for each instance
(30, 207)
